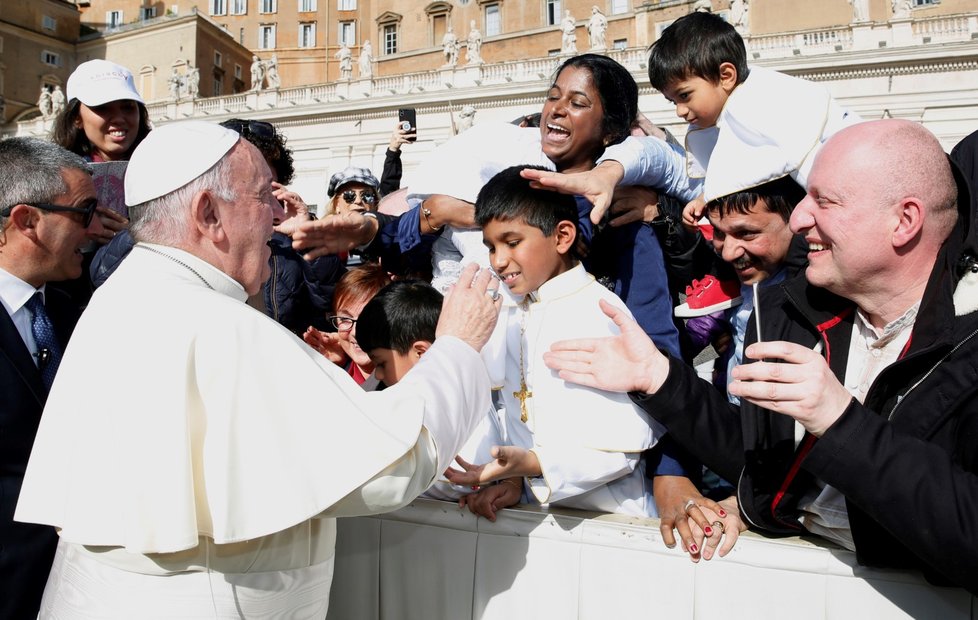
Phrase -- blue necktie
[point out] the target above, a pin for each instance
(48, 349)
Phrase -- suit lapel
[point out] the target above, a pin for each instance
(12, 348)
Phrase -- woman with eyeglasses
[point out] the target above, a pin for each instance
(357, 287)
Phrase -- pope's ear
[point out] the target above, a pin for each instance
(206, 215)
(566, 235)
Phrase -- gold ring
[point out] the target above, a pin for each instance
(719, 524)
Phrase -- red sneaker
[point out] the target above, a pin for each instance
(709, 295)
(706, 230)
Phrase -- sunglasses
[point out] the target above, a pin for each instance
(342, 323)
(368, 196)
(251, 128)
(87, 209)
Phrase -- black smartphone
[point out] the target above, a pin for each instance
(409, 121)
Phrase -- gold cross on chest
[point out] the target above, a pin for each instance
(523, 394)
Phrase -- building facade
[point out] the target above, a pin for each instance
(921, 66)
(161, 49)
(37, 49)
(408, 36)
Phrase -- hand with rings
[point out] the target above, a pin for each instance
(725, 526)
(470, 309)
(682, 508)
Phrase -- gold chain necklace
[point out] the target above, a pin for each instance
(523, 394)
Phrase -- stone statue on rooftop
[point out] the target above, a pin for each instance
(449, 47)
(473, 49)
(345, 57)
(257, 73)
(44, 103)
(366, 61)
(57, 101)
(271, 73)
(568, 37)
(597, 29)
(193, 82)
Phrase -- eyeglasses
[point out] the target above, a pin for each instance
(87, 209)
(368, 196)
(342, 323)
(253, 128)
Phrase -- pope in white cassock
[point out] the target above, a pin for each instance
(194, 453)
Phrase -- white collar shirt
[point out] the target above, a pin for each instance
(14, 295)
(870, 351)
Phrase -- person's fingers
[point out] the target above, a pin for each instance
(600, 207)
(614, 313)
(687, 537)
(778, 349)
(627, 218)
(109, 214)
(696, 515)
(482, 279)
(503, 453)
(665, 528)
(697, 532)
(730, 537)
(570, 345)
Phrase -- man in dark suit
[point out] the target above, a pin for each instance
(47, 203)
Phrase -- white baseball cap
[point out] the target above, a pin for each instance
(174, 155)
(99, 81)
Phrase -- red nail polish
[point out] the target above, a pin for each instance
(722, 513)
(708, 531)
(693, 548)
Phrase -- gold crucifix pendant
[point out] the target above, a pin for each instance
(523, 394)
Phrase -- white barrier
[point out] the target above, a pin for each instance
(432, 561)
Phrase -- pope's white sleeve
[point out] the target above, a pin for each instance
(451, 415)
(570, 471)
(476, 450)
(654, 163)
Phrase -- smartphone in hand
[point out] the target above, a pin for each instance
(757, 311)
(408, 119)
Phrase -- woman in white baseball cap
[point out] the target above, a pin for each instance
(105, 117)
(103, 121)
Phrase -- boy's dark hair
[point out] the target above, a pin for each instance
(508, 196)
(617, 89)
(695, 45)
(780, 195)
(402, 313)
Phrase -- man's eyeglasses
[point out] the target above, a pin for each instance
(368, 196)
(342, 323)
(87, 209)
(251, 128)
